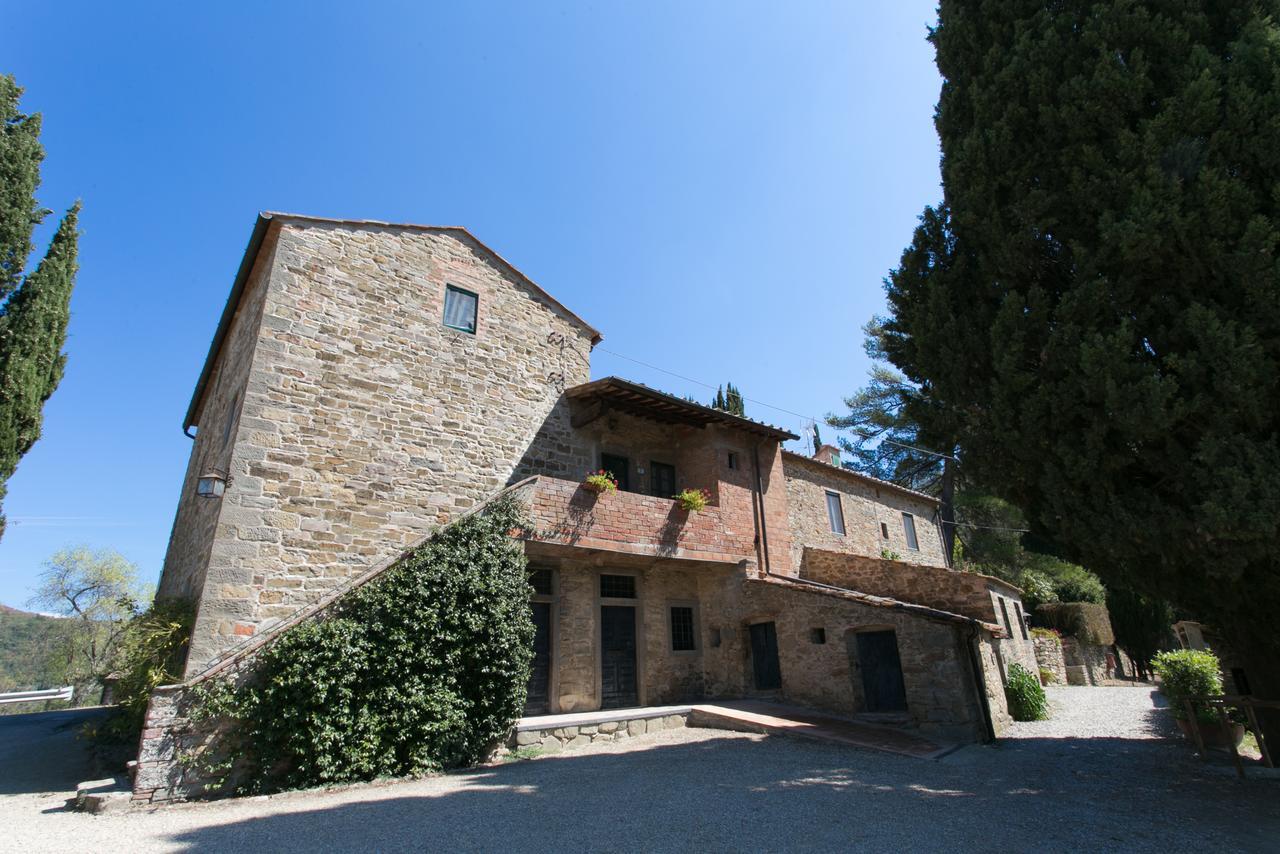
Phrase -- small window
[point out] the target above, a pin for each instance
(540, 581)
(1022, 620)
(1004, 610)
(818, 635)
(662, 480)
(909, 528)
(683, 637)
(884, 531)
(733, 460)
(835, 513)
(460, 309)
(618, 586)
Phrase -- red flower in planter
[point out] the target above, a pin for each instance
(600, 482)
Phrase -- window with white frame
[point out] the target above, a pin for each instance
(835, 513)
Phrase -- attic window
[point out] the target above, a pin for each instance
(460, 309)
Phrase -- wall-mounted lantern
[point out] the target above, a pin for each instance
(211, 484)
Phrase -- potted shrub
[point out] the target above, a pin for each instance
(1194, 673)
(693, 500)
(600, 482)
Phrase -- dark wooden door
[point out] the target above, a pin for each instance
(764, 657)
(881, 672)
(536, 702)
(618, 657)
(662, 480)
(619, 467)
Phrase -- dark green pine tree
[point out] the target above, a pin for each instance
(36, 308)
(1096, 302)
(718, 401)
(817, 438)
(893, 434)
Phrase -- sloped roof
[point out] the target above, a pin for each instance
(864, 478)
(639, 399)
(260, 226)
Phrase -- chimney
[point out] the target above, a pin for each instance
(828, 454)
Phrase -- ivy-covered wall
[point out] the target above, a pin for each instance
(420, 668)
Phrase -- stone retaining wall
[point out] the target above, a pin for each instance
(1086, 663)
(1049, 657)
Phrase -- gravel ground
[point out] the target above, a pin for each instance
(1100, 775)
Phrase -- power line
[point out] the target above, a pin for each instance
(986, 527)
(762, 403)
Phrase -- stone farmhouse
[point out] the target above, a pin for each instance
(369, 382)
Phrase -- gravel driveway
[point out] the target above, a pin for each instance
(1100, 775)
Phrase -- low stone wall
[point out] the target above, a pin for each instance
(1049, 657)
(556, 739)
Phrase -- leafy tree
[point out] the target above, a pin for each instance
(1143, 625)
(98, 593)
(1095, 300)
(35, 309)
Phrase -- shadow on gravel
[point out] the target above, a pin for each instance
(783, 793)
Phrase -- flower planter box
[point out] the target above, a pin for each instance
(1212, 734)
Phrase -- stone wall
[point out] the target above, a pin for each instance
(820, 670)
(1049, 656)
(967, 593)
(365, 421)
(553, 739)
(197, 518)
(867, 504)
(1086, 663)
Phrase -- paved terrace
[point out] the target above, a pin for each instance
(1108, 773)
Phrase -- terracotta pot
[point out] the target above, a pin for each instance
(1212, 733)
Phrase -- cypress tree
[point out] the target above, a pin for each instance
(1096, 300)
(36, 308)
(733, 400)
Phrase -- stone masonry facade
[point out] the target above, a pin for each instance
(363, 421)
(350, 421)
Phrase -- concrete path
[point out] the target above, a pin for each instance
(774, 718)
(1049, 789)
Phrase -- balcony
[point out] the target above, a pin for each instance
(565, 514)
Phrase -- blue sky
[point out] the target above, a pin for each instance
(719, 188)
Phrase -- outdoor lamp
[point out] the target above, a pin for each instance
(211, 484)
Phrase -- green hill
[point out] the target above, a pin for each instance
(26, 640)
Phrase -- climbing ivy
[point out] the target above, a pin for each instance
(422, 669)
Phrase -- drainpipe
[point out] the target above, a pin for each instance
(980, 682)
(186, 431)
(760, 523)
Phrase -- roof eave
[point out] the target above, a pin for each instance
(228, 312)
